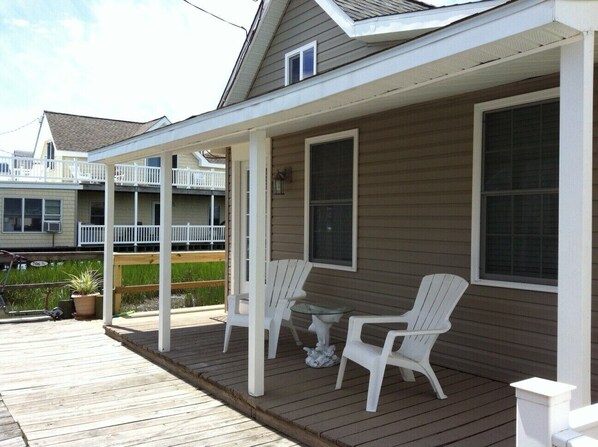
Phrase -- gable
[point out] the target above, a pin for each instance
(304, 21)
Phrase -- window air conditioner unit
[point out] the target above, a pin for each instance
(53, 227)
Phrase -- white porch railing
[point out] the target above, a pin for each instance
(544, 417)
(150, 234)
(17, 169)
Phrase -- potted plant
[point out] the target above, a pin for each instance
(85, 287)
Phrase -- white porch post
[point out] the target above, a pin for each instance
(135, 216)
(108, 244)
(257, 260)
(575, 218)
(165, 253)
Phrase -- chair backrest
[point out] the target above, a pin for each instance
(437, 297)
(285, 279)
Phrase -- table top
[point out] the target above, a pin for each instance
(326, 308)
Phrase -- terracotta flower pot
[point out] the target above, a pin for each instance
(85, 305)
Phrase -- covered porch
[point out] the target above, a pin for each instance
(302, 403)
(527, 46)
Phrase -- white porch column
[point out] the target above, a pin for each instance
(575, 218)
(135, 216)
(108, 291)
(165, 252)
(257, 260)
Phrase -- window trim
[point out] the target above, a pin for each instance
(299, 51)
(476, 205)
(43, 220)
(354, 134)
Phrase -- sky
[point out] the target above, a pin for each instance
(133, 60)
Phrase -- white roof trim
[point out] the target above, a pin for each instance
(164, 121)
(406, 25)
(368, 78)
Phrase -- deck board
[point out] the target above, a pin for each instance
(303, 403)
(67, 384)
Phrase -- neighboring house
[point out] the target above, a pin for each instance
(54, 198)
(420, 140)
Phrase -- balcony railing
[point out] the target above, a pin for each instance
(150, 234)
(19, 169)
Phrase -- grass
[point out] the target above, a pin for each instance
(20, 299)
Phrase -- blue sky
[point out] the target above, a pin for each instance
(123, 59)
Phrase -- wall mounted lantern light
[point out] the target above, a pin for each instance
(279, 179)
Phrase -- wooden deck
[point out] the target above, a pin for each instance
(66, 384)
(301, 401)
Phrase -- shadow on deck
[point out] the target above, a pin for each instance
(302, 403)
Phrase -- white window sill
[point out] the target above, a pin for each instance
(515, 285)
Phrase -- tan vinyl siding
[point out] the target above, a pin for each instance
(303, 22)
(25, 240)
(414, 218)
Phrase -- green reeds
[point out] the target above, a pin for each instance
(19, 299)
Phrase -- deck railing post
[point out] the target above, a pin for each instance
(542, 410)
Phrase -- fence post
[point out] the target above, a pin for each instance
(118, 281)
(542, 410)
(78, 234)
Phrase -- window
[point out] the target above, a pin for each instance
(96, 215)
(28, 215)
(331, 200)
(50, 154)
(154, 162)
(518, 195)
(300, 63)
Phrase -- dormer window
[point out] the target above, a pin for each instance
(300, 63)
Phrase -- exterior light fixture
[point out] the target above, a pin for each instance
(279, 179)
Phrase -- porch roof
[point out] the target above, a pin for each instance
(518, 40)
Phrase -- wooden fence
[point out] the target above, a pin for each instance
(122, 259)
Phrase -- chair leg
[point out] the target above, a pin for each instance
(429, 373)
(376, 377)
(294, 332)
(407, 375)
(273, 341)
(341, 373)
(227, 331)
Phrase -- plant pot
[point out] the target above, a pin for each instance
(85, 305)
(67, 307)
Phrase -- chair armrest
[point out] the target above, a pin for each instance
(356, 323)
(234, 300)
(394, 334)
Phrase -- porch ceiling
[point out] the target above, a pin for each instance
(485, 51)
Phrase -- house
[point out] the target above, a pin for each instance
(54, 197)
(420, 139)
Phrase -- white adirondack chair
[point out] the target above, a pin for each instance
(437, 297)
(284, 284)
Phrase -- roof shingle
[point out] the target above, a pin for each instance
(83, 133)
(367, 9)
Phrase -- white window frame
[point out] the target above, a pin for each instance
(43, 222)
(299, 51)
(476, 211)
(353, 133)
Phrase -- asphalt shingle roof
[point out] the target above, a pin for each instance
(84, 133)
(366, 9)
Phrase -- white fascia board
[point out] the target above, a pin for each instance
(76, 154)
(403, 26)
(161, 123)
(23, 186)
(231, 125)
